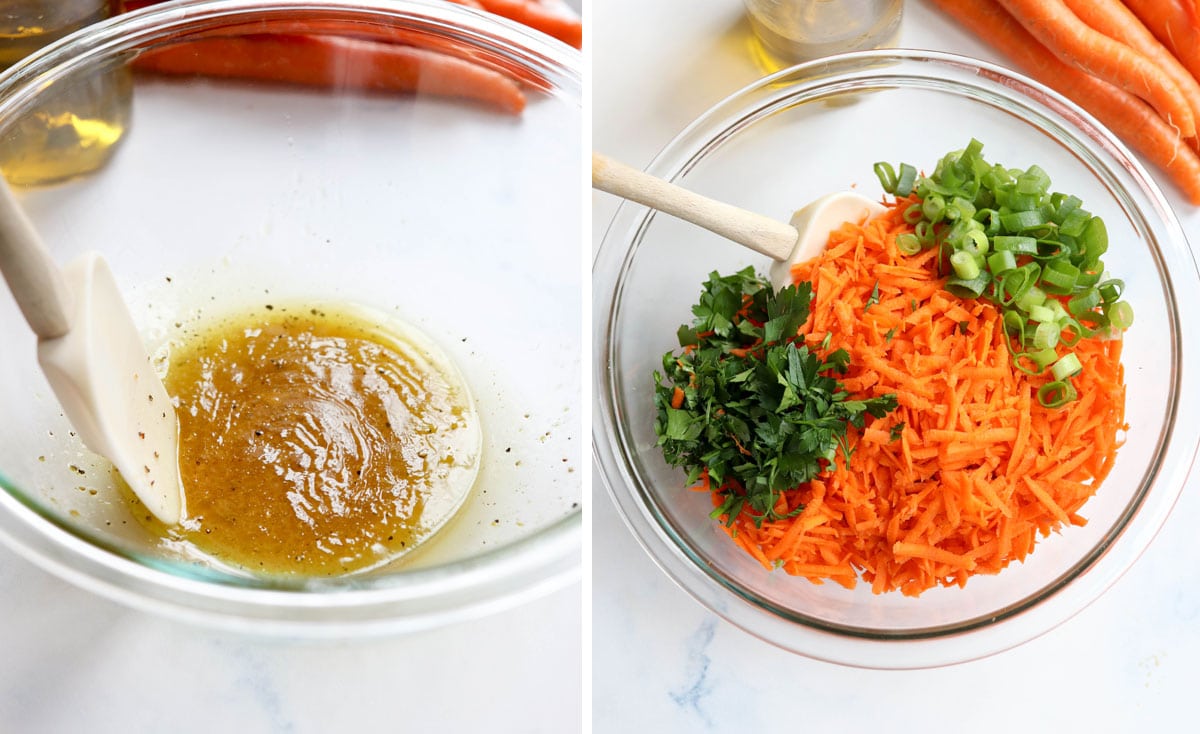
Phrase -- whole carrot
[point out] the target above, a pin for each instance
(527, 12)
(1175, 24)
(1123, 113)
(342, 27)
(537, 16)
(1118, 22)
(332, 62)
(1073, 41)
(128, 5)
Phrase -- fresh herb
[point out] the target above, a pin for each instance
(896, 432)
(760, 411)
(891, 334)
(873, 298)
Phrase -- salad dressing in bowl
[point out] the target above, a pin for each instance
(316, 440)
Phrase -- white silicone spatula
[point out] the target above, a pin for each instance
(96, 363)
(787, 244)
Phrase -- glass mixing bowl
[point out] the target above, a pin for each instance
(452, 216)
(819, 128)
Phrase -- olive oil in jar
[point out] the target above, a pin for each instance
(787, 32)
(72, 128)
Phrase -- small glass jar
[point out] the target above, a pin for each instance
(793, 31)
(73, 127)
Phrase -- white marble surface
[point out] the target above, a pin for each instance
(663, 663)
(74, 662)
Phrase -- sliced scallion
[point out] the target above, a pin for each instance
(1002, 235)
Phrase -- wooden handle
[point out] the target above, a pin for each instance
(761, 234)
(32, 275)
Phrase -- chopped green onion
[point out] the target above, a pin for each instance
(1110, 290)
(1041, 314)
(975, 241)
(1045, 336)
(962, 208)
(1060, 276)
(933, 208)
(1056, 394)
(1022, 221)
(1033, 181)
(908, 243)
(965, 266)
(1084, 302)
(1095, 239)
(904, 182)
(969, 287)
(1074, 223)
(1015, 245)
(887, 176)
(1015, 323)
(1036, 254)
(1031, 298)
(999, 262)
(1043, 357)
(1068, 366)
(1120, 315)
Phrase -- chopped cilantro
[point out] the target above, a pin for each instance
(873, 298)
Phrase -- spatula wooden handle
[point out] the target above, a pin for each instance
(32, 275)
(768, 236)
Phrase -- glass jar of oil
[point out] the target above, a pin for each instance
(793, 31)
(73, 127)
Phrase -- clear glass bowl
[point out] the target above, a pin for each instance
(819, 128)
(446, 213)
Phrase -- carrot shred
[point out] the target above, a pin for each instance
(677, 398)
(979, 470)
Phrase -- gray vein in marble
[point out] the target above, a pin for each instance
(691, 696)
(259, 683)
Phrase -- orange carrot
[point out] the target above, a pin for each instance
(537, 16)
(527, 12)
(1073, 41)
(962, 490)
(1174, 24)
(340, 27)
(677, 398)
(1118, 22)
(129, 5)
(1124, 114)
(333, 62)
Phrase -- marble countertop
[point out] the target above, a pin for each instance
(76, 662)
(664, 663)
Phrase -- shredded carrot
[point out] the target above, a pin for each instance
(677, 398)
(978, 472)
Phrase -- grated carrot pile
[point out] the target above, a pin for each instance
(979, 471)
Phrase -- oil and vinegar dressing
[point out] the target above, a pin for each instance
(72, 128)
(317, 441)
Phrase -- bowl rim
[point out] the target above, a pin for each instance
(487, 582)
(864, 647)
